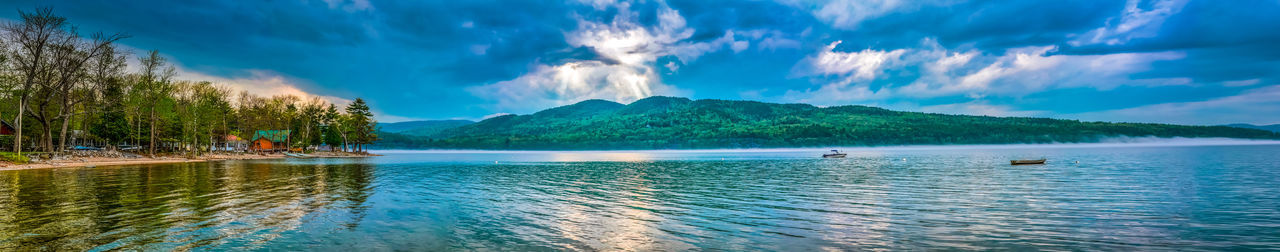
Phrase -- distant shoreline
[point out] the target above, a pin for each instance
(80, 162)
(1128, 142)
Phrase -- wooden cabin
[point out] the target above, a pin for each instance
(270, 141)
(6, 129)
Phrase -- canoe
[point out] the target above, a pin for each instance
(1026, 162)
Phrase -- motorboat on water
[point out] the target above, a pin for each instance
(834, 154)
(1026, 161)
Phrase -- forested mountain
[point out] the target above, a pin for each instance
(421, 128)
(680, 123)
(1272, 128)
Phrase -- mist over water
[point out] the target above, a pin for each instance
(1118, 197)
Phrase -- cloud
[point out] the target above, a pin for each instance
(1257, 106)
(258, 82)
(853, 66)
(1022, 71)
(932, 71)
(548, 86)
(849, 13)
(350, 5)
(850, 71)
(1136, 22)
(1241, 83)
(625, 69)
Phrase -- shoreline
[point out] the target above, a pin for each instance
(1133, 142)
(94, 162)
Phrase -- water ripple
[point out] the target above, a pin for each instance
(1155, 198)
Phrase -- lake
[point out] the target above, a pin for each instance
(1117, 197)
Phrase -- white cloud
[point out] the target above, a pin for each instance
(850, 13)
(1027, 70)
(1136, 22)
(851, 71)
(942, 72)
(863, 65)
(548, 86)
(770, 39)
(628, 71)
(1241, 83)
(349, 5)
(671, 65)
(480, 49)
(1257, 106)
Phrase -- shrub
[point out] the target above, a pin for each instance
(13, 158)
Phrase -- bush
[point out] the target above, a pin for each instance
(6, 142)
(13, 158)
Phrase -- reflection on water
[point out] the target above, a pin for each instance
(1149, 198)
(172, 206)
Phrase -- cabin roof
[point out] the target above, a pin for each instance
(272, 135)
(5, 124)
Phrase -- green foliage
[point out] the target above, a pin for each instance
(678, 123)
(112, 125)
(360, 125)
(430, 128)
(61, 86)
(13, 158)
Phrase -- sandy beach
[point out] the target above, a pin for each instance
(92, 161)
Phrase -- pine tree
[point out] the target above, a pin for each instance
(112, 126)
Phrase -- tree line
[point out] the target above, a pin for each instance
(679, 123)
(57, 86)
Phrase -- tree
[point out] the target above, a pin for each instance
(54, 77)
(107, 97)
(154, 87)
(71, 63)
(333, 134)
(31, 37)
(361, 124)
(112, 126)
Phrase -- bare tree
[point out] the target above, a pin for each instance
(31, 38)
(71, 66)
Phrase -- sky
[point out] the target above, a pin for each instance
(1164, 61)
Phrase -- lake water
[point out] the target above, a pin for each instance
(1116, 198)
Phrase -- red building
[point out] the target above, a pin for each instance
(270, 140)
(6, 129)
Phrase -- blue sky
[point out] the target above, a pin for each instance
(1169, 61)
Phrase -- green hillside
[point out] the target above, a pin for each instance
(680, 123)
(421, 128)
(435, 127)
(1272, 128)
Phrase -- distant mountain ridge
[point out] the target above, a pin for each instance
(421, 128)
(680, 123)
(1272, 128)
